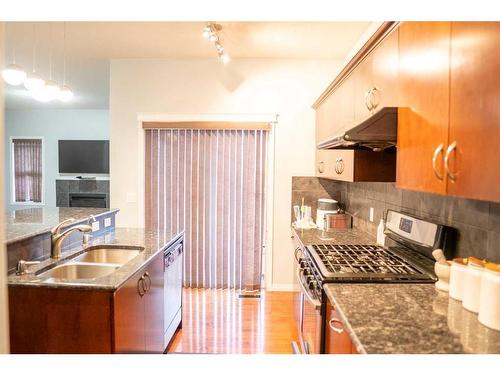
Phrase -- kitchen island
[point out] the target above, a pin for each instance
(121, 312)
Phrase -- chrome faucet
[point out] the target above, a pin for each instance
(23, 265)
(57, 238)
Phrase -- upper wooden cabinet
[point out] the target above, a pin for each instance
(448, 123)
(474, 133)
(423, 98)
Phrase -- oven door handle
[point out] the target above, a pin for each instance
(313, 301)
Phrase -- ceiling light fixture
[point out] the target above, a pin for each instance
(34, 81)
(13, 74)
(211, 32)
(65, 94)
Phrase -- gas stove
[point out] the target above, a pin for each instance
(368, 263)
(408, 261)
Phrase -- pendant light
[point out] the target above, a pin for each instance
(65, 94)
(13, 74)
(50, 90)
(34, 81)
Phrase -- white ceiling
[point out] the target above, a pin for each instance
(90, 46)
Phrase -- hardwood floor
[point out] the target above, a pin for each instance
(217, 321)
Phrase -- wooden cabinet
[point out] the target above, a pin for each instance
(350, 103)
(424, 49)
(138, 319)
(356, 165)
(362, 78)
(385, 72)
(474, 131)
(72, 320)
(337, 340)
(448, 128)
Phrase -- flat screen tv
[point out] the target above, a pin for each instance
(83, 156)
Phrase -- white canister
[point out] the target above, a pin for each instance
(457, 273)
(489, 299)
(472, 284)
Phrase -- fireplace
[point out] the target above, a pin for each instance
(88, 200)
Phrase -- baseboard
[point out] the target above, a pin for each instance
(283, 288)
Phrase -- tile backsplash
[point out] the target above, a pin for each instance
(477, 222)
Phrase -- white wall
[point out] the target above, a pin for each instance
(245, 86)
(4, 322)
(52, 124)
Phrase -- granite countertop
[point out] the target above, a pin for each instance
(152, 242)
(334, 236)
(28, 222)
(409, 318)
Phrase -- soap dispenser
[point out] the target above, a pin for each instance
(380, 233)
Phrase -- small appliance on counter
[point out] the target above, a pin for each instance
(337, 221)
(325, 206)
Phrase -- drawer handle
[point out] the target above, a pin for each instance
(450, 149)
(437, 151)
(321, 166)
(335, 329)
(374, 98)
(147, 282)
(140, 283)
(368, 101)
(339, 166)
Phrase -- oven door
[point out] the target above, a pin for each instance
(311, 326)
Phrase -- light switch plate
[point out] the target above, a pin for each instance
(372, 213)
(107, 222)
(95, 226)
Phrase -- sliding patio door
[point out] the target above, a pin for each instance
(211, 184)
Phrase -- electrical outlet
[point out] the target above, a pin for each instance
(372, 212)
(107, 222)
(95, 226)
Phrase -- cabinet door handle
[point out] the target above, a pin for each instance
(147, 282)
(335, 329)
(374, 94)
(321, 166)
(368, 100)
(140, 283)
(437, 151)
(341, 165)
(450, 149)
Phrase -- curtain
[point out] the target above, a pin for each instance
(28, 170)
(210, 183)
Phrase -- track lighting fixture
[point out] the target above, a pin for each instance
(211, 32)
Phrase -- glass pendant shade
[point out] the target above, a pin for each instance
(47, 93)
(13, 74)
(65, 94)
(34, 82)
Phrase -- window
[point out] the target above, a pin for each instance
(27, 169)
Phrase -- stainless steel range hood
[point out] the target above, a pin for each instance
(377, 133)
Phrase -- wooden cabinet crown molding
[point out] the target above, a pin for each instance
(383, 31)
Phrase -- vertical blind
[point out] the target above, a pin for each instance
(27, 155)
(210, 183)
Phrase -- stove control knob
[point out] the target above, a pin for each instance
(309, 279)
(313, 285)
(307, 271)
(302, 264)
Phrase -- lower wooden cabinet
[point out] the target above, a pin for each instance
(138, 306)
(64, 321)
(356, 165)
(337, 340)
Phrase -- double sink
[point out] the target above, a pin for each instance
(95, 262)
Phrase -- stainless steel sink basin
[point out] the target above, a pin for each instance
(112, 255)
(76, 271)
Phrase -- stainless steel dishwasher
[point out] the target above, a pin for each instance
(173, 269)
